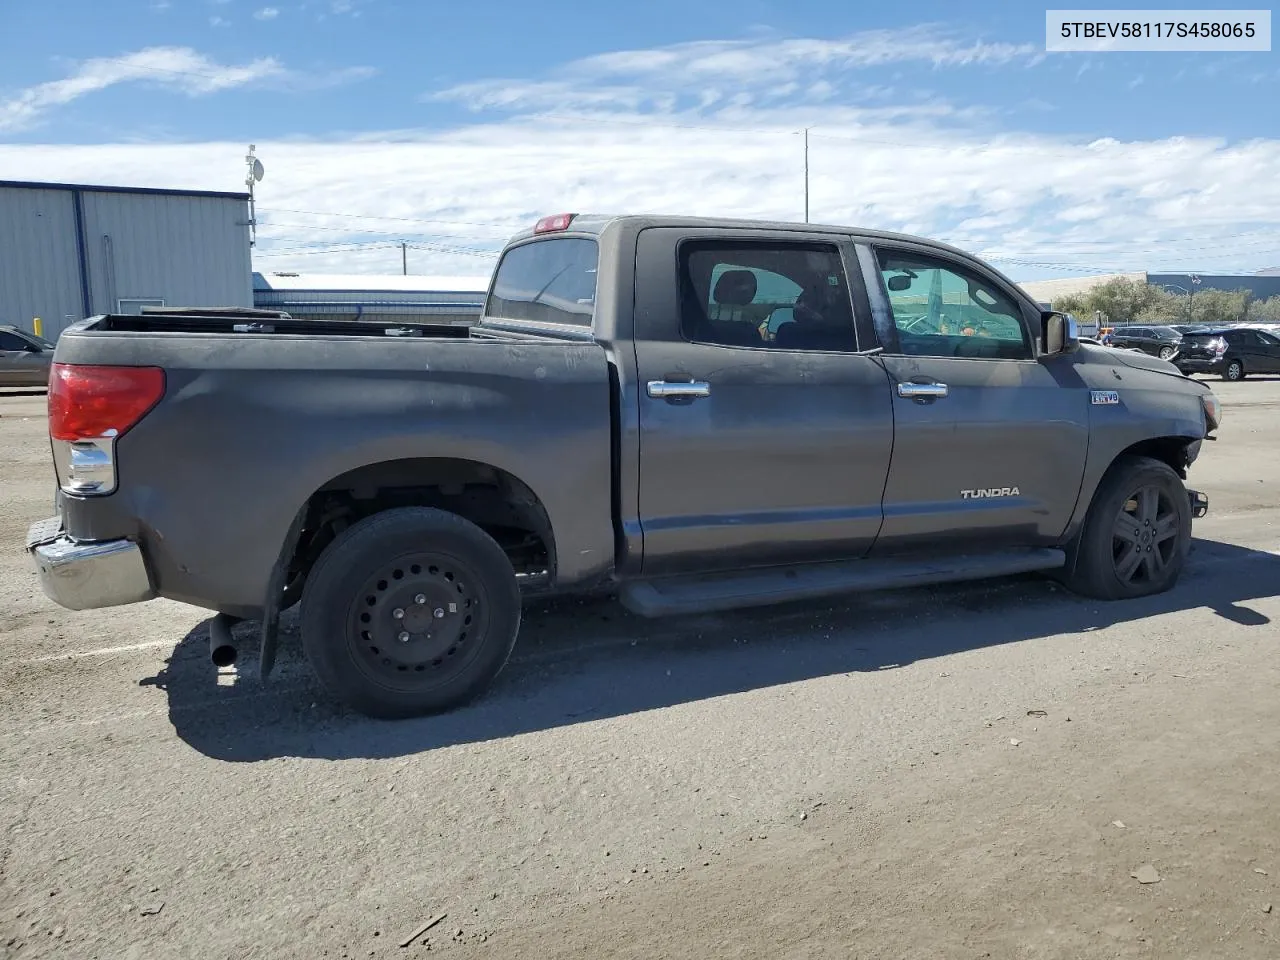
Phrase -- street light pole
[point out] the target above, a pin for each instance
(806, 174)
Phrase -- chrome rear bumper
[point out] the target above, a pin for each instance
(84, 576)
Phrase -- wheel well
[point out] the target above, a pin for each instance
(1170, 450)
(494, 500)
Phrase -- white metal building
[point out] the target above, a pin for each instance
(376, 298)
(69, 251)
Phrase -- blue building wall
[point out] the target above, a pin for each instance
(1261, 287)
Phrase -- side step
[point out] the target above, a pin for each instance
(763, 587)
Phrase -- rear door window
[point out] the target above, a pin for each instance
(547, 281)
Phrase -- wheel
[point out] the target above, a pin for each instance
(1166, 352)
(1234, 371)
(1137, 534)
(409, 612)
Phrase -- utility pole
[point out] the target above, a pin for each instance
(404, 258)
(806, 174)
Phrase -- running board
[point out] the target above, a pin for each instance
(762, 587)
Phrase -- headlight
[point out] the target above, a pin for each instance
(1212, 411)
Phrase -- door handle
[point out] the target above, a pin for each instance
(666, 390)
(922, 391)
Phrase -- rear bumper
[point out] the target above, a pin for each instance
(1200, 365)
(87, 575)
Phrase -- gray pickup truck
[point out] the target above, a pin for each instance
(696, 414)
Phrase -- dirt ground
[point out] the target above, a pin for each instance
(967, 772)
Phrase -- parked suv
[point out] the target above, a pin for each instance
(1162, 342)
(1231, 352)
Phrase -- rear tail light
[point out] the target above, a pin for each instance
(1219, 345)
(89, 407)
(87, 402)
(559, 221)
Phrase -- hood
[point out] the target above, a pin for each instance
(1144, 361)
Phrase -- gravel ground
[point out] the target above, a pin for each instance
(965, 772)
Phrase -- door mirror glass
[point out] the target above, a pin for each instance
(1061, 333)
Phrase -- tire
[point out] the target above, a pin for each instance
(1166, 352)
(1234, 371)
(1158, 530)
(409, 612)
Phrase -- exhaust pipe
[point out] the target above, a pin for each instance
(222, 646)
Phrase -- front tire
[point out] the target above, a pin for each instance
(409, 612)
(1166, 352)
(1234, 371)
(1137, 534)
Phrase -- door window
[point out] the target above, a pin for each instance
(943, 310)
(788, 296)
(10, 341)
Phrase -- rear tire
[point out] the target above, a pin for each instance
(409, 612)
(1137, 534)
(1234, 371)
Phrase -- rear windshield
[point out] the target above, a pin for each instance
(548, 281)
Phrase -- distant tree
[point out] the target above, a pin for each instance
(1264, 311)
(1073, 303)
(1163, 307)
(1219, 306)
(1122, 300)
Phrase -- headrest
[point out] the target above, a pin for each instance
(735, 288)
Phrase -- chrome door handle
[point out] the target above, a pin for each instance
(917, 391)
(666, 390)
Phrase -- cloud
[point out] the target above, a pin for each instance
(219, 22)
(266, 13)
(664, 132)
(1035, 205)
(178, 68)
(763, 69)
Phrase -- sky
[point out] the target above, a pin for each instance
(449, 126)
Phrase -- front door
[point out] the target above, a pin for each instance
(989, 443)
(764, 436)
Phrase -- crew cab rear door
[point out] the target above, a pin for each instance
(989, 442)
(764, 436)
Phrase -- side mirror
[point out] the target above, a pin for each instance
(1061, 333)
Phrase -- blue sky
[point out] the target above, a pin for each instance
(450, 125)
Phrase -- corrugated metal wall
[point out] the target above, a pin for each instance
(186, 251)
(182, 250)
(39, 271)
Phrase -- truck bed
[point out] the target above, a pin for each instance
(259, 414)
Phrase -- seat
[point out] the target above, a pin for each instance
(819, 323)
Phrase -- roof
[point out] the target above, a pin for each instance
(362, 282)
(596, 223)
(96, 188)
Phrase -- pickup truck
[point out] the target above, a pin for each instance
(694, 414)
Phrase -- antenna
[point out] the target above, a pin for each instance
(255, 173)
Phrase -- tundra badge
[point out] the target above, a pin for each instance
(985, 492)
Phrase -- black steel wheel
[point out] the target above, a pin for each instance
(410, 611)
(1136, 536)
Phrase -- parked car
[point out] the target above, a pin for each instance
(24, 358)
(1159, 341)
(617, 421)
(1231, 352)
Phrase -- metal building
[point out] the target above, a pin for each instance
(378, 299)
(69, 251)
